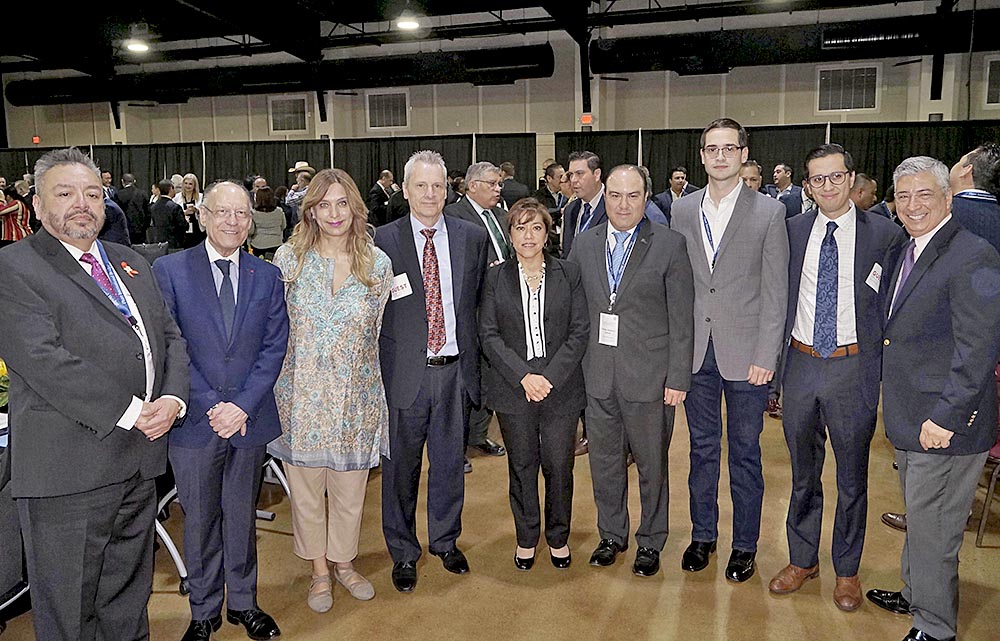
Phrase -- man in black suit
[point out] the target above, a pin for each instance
(108, 184)
(378, 198)
(98, 373)
(134, 203)
(429, 352)
(115, 229)
(863, 193)
(166, 218)
(789, 194)
(554, 200)
(832, 369)
(511, 191)
(942, 340)
(588, 209)
(678, 188)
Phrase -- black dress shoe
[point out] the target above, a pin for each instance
(741, 566)
(606, 552)
(489, 448)
(647, 562)
(454, 561)
(202, 629)
(404, 575)
(524, 564)
(259, 624)
(696, 555)
(560, 562)
(889, 601)
(919, 635)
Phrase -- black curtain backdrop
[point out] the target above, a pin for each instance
(148, 163)
(364, 158)
(787, 144)
(265, 161)
(14, 164)
(879, 148)
(614, 147)
(516, 148)
(226, 160)
(664, 149)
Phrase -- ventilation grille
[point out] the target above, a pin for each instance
(850, 88)
(288, 114)
(388, 110)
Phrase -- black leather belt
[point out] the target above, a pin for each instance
(441, 361)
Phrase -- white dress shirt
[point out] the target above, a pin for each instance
(483, 214)
(805, 314)
(532, 306)
(718, 215)
(444, 277)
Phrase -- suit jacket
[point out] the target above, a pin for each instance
(501, 331)
(512, 191)
(134, 203)
(792, 199)
(378, 205)
(545, 197)
(979, 213)
(403, 341)
(741, 304)
(941, 343)
(873, 236)
(397, 207)
(572, 213)
(242, 370)
(654, 308)
(664, 200)
(115, 229)
(167, 223)
(75, 363)
(466, 211)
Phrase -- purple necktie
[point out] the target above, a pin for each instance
(905, 270)
(98, 274)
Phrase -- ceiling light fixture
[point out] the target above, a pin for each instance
(408, 19)
(137, 46)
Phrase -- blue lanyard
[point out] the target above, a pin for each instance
(117, 296)
(616, 278)
(708, 232)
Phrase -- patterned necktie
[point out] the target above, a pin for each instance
(498, 236)
(617, 257)
(825, 326)
(585, 219)
(432, 295)
(904, 271)
(226, 296)
(98, 274)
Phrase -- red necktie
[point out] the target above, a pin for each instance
(432, 295)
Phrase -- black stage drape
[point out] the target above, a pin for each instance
(270, 159)
(787, 144)
(662, 150)
(364, 158)
(614, 147)
(148, 163)
(226, 160)
(516, 148)
(14, 164)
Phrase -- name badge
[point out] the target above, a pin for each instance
(608, 334)
(400, 287)
(875, 277)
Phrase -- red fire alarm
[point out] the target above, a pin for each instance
(36, 139)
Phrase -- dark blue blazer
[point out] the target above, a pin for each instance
(942, 342)
(980, 214)
(792, 200)
(403, 342)
(873, 237)
(242, 371)
(572, 213)
(664, 200)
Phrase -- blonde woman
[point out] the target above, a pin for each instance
(189, 198)
(330, 395)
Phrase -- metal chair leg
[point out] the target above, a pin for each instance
(986, 505)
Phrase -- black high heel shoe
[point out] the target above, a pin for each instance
(524, 564)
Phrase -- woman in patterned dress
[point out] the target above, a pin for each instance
(330, 395)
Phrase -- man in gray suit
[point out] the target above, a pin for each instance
(738, 247)
(640, 293)
(942, 338)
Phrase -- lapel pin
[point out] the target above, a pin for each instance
(128, 270)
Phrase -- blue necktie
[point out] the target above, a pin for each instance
(226, 296)
(825, 327)
(585, 219)
(617, 257)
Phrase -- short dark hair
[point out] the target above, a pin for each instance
(264, 198)
(507, 168)
(248, 181)
(526, 209)
(786, 167)
(128, 179)
(680, 168)
(726, 123)
(985, 161)
(382, 174)
(551, 169)
(754, 164)
(164, 186)
(823, 151)
(593, 160)
(647, 183)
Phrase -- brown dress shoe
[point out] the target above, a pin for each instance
(847, 593)
(582, 447)
(791, 578)
(774, 408)
(895, 521)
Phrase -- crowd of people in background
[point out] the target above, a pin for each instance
(370, 331)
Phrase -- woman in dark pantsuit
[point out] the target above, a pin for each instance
(533, 325)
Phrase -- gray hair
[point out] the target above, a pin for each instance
(426, 157)
(211, 190)
(480, 169)
(920, 164)
(56, 157)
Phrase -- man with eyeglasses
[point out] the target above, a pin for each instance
(832, 368)
(738, 249)
(939, 401)
(790, 195)
(230, 307)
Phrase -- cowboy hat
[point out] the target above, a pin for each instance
(301, 165)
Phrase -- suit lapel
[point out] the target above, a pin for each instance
(862, 256)
(511, 282)
(203, 288)
(408, 254)
(639, 250)
(244, 293)
(926, 259)
(696, 246)
(798, 240)
(457, 248)
(741, 210)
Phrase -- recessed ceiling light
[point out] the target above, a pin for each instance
(407, 23)
(137, 46)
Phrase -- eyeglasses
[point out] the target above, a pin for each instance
(492, 184)
(835, 178)
(239, 214)
(727, 150)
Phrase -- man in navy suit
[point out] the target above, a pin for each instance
(230, 307)
(942, 339)
(588, 209)
(832, 369)
(975, 181)
(429, 352)
(679, 187)
(789, 194)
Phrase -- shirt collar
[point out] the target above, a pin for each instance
(475, 205)
(845, 221)
(728, 198)
(921, 242)
(213, 255)
(612, 231)
(442, 230)
(597, 199)
(77, 254)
